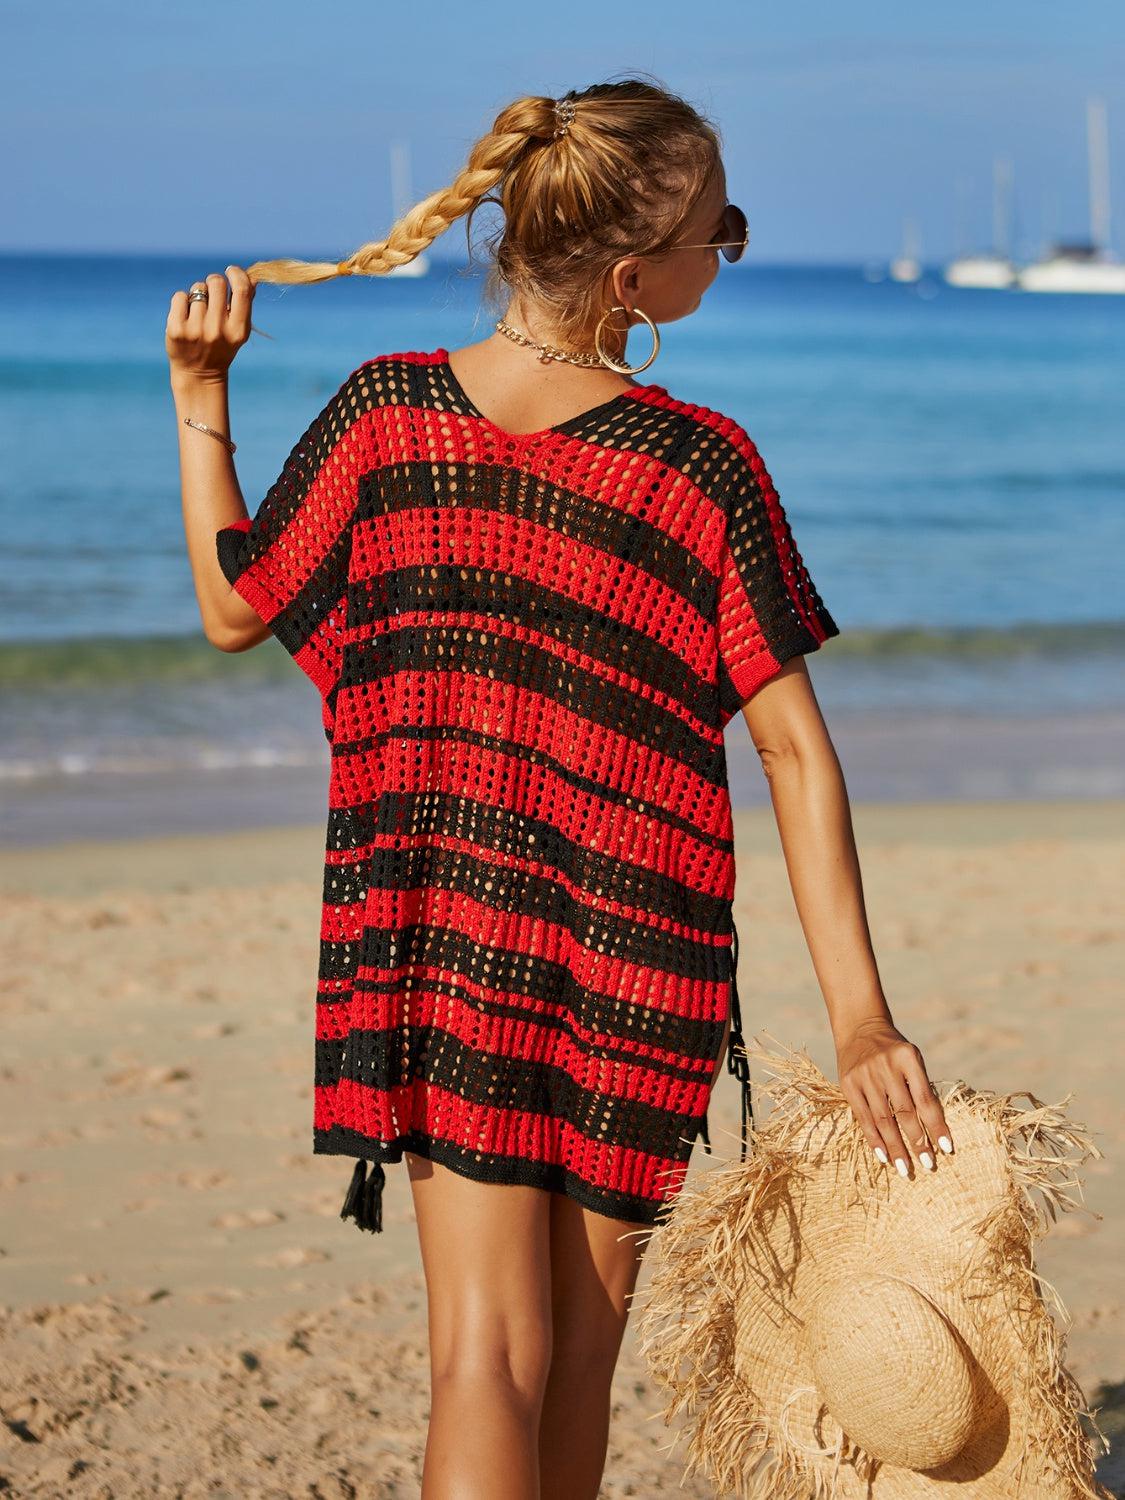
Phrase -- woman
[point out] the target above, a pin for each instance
(532, 592)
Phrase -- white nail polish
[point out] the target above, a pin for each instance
(903, 1169)
(881, 1154)
(945, 1143)
(927, 1161)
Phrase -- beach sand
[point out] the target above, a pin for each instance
(184, 1312)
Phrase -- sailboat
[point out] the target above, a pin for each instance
(907, 267)
(995, 269)
(402, 202)
(1092, 266)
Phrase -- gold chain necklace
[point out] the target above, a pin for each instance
(549, 351)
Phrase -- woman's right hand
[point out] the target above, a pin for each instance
(202, 338)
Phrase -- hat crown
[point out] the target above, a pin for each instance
(892, 1370)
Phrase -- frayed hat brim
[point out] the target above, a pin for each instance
(727, 1281)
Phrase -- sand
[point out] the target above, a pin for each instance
(184, 1314)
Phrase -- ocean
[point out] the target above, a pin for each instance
(952, 463)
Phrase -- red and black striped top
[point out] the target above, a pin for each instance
(527, 648)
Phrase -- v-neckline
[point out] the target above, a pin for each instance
(462, 395)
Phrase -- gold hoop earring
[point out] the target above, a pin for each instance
(626, 369)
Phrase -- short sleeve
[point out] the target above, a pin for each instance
(768, 608)
(290, 561)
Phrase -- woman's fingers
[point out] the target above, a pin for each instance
(215, 314)
(177, 313)
(241, 298)
(866, 1119)
(896, 1106)
(205, 334)
(910, 1127)
(909, 1118)
(197, 311)
(887, 1125)
(927, 1104)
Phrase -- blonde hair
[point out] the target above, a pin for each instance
(623, 179)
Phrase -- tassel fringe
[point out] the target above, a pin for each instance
(363, 1201)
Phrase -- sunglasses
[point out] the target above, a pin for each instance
(735, 235)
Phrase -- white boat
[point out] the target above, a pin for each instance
(986, 271)
(1090, 267)
(1075, 268)
(993, 269)
(402, 201)
(907, 266)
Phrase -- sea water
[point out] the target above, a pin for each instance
(952, 463)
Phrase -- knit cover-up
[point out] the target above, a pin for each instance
(527, 648)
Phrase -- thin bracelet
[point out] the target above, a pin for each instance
(210, 431)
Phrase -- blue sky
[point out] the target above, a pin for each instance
(251, 129)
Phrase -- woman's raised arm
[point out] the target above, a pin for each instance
(202, 339)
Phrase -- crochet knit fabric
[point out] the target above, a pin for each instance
(527, 648)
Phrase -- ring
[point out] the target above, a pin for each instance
(198, 295)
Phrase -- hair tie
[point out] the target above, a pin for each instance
(342, 268)
(564, 114)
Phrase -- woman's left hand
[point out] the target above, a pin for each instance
(884, 1079)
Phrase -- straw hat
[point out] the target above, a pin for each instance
(833, 1331)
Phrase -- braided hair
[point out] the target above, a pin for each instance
(583, 180)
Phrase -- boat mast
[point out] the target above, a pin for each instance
(1001, 197)
(962, 232)
(1097, 143)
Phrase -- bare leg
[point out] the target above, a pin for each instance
(486, 1257)
(592, 1274)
